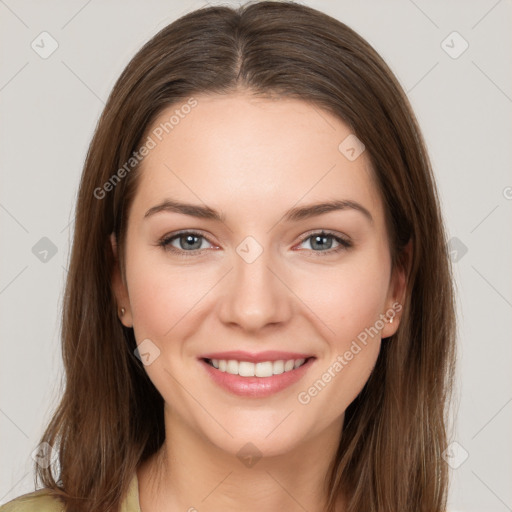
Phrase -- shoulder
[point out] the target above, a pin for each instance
(37, 501)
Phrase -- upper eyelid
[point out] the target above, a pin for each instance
(306, 236)
(174, 235)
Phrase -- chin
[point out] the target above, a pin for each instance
(269, 438)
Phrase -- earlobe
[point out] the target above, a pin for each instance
(119, 288)
(398, 291)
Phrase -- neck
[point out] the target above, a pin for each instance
(191, 473)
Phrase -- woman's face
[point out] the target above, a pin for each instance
(260, 284)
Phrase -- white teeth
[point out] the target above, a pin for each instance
(245, 369)
(262, 369)
(265, 369)
(232, 367)
(278, 367)
(289, 365)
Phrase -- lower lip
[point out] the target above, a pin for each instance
(257, 387)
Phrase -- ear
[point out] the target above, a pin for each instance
(397, 292)
(119, 287)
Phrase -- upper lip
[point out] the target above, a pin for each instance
(268, 355)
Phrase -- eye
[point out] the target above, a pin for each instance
(323, 241)
(189, 243)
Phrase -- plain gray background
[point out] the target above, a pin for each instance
(463, 101)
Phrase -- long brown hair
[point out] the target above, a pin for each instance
(110, 417)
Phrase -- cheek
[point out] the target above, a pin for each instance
(349, 302)
(347, 299)
(161, 294)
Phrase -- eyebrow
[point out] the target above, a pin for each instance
(292, 215)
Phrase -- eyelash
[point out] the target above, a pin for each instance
(166, 241)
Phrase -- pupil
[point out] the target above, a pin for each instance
(190, 240)
(322, 239)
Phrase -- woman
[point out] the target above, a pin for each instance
(218, 357)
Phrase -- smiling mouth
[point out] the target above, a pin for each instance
(261, 369)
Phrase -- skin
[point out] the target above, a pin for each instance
(253, 159)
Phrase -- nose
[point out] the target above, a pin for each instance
(256, 294)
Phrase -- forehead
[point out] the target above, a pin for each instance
(238, 152)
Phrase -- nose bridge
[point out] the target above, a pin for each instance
(255, 295)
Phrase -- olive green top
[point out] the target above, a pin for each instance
(41, 501)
